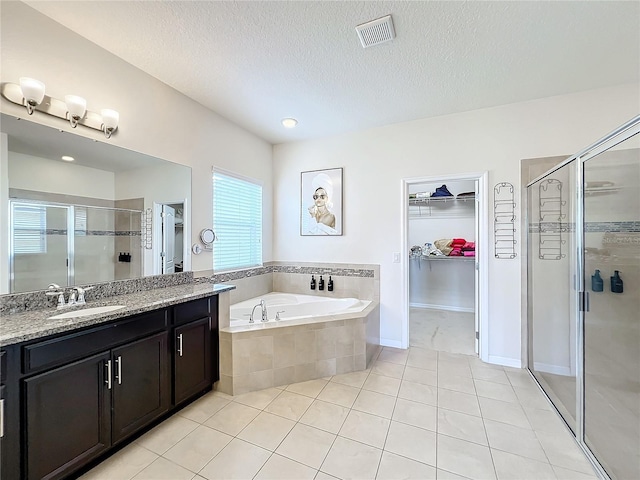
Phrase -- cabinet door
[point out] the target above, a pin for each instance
(140, 384)
(67, 417)
(192, 359)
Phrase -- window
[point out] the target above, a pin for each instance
(237, 222)
(29, 228)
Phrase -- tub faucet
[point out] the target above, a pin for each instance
(263, 307)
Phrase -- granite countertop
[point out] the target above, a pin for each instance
(20, 327)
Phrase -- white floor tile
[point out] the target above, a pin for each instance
(349, 459)
(394, 467)
(289, 405)
(412, 442)
(342, 395)
(306, 445)
(309, 388)
(418, 392)
(123, 465)
(198, 448)
(510, 466)
(325, 416)
(462, 426)
(458, 402)
(505, 412)
(232, 418)
(239, 460)
(464, 458)
(281, 468)
(382, 384)
(163, 469)
(365, 428)
(521, 441)
(375, 403)
(267, 430)
(414, 413)
(167, 434)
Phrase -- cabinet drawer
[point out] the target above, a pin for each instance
(54, 352)
(190, 311)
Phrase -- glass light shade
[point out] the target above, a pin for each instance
(32, 91)
(110, 118)
(76, 106)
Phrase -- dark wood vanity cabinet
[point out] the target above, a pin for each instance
(83, 392)
(195, 356)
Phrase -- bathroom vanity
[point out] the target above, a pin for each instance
(73, 389)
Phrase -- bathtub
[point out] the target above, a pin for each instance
(292, 307)
(315, 337)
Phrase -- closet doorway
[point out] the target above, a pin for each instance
(445, 263)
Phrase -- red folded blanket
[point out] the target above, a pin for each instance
(469, 246)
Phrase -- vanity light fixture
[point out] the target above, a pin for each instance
(76, 106)
(32, 91)
(30, 94)
(289, 122)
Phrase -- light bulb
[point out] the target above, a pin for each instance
(110, 119)
(76, 106)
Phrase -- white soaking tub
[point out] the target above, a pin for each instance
(291, 306)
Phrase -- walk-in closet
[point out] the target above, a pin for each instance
(442, 233)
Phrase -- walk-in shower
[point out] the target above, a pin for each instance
(583, 266)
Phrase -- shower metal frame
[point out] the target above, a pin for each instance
(619, 135)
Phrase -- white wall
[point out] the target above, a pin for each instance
(152, 184)
(27, 172)
(154, 118)
(375, 161)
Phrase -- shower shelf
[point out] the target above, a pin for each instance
(504, 221)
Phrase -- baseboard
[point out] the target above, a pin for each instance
(505, 361)
(385, 342)
(443, 307)
(555, 369)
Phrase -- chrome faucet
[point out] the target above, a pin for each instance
(263, 307)
(57, 290)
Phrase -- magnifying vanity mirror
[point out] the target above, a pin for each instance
(104, 214)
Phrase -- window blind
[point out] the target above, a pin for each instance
(237, 222)
(29, 228)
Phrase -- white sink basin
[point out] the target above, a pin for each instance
(87, 311)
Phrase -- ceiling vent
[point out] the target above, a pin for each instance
(376, 32)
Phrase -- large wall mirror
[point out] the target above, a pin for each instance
(108, 214)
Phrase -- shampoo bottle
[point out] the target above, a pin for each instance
(330, 284)
(616, 282)
(313, 282)
(597, 284)
(321, 283)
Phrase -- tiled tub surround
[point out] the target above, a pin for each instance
(20, 327)
(350, 280)
(268, 354)
(37, 300)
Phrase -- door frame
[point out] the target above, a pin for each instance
(157, 234)
(482, 253)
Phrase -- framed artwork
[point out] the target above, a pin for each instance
(321, 202)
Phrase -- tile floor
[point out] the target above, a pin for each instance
(442, 330)
(416, 414)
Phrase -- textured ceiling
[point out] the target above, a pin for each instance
(258, 62)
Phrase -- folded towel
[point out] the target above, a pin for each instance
(444, 245)
(469, 246)
(469, 253)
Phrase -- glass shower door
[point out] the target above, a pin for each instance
(552, 294)
(39, 246)
(612, 320)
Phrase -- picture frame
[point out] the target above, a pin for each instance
(321, 215)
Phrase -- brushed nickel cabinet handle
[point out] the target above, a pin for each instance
(2, 418)
(108, 380)
(119, 374)
(180, 344)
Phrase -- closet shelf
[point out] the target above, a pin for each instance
(444, 258)
(417, 202)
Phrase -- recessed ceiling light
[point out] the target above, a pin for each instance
(67, 158)
(289, 122)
